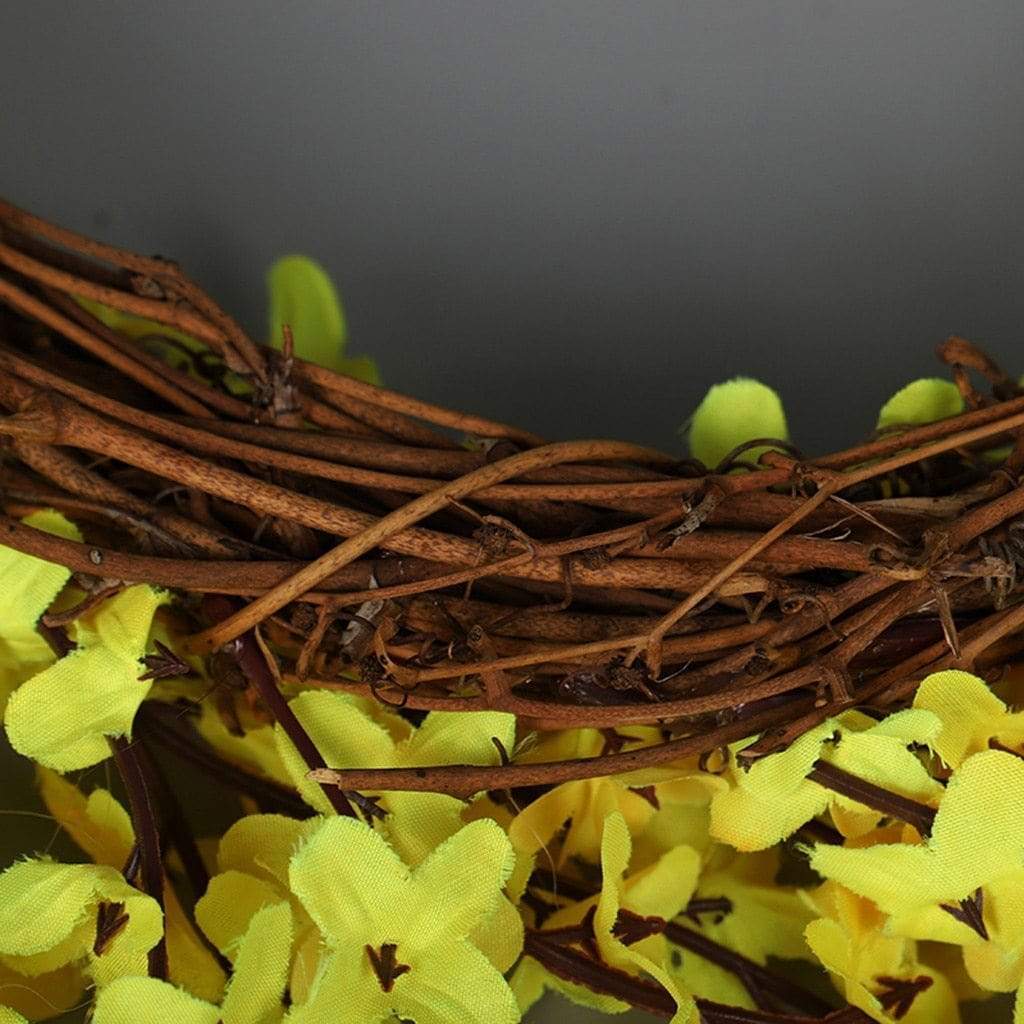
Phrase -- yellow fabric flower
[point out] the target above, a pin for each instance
(254, 994)
(253, 860)
(653, 893)
(30, 585)
(774, 797)
(970, 713)
(759, 918)
(303, 296)
(584, 804)
(682, 817)
(877, 973)
(733, 413)
(48, 919)
(61, 717)
(347, 737)
(658, 890)
(397, 940)
(103, 829)
(976, 840)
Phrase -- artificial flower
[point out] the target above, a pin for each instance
(348, 737)
(30, 586)
(49, 914)
(921, 401)
(396, 939)
(976, 840)
(880, 974)
(733, 413)
(63, 715)
(774, 797)
(971, 715)
(254, 994)
(102, 828)
(304, 298)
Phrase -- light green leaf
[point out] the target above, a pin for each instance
(303, 296)
(732, 413)
(921, 401)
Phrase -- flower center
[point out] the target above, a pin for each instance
(385, 964)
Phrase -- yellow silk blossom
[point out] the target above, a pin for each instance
(880, 974)
(103, 830)
(973, 858)
(303, 296)
(659, 890)
(61, 716)
(397, 939)
(731, 414)
(348, 737)
(774, 797)
(30, 586)
(252, 859)
(254, 994)
(760, 918)
(647, 956)
(584, 804)
(971, 715)
(48, 920)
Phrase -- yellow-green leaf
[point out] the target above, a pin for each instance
(921, 401)
(733, 413)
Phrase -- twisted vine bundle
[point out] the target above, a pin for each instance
(319, 532)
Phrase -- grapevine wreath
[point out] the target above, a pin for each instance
(728, 738)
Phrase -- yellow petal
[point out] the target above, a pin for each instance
(732, 413)
(615, 854)
(976, 838)
(354, 886)
(62, 716)
(228, 906)
(261, 969)
(970, 715)
(97, 823)
(459, 884)
(42, 903)
(131, 1000)
(448, 737)
(500, 936)
(921, 401)
(42, 996)
(30, 585)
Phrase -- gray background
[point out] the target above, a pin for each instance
(574, 215)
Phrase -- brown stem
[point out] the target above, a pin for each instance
(838, 780)
(147, 836)
(253, 661)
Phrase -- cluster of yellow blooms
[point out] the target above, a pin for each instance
(421, 913)
(696, 877)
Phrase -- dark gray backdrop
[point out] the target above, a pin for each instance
(570, 215)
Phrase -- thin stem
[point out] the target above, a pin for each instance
(252, 660)
(147, 836)
(838, 780)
